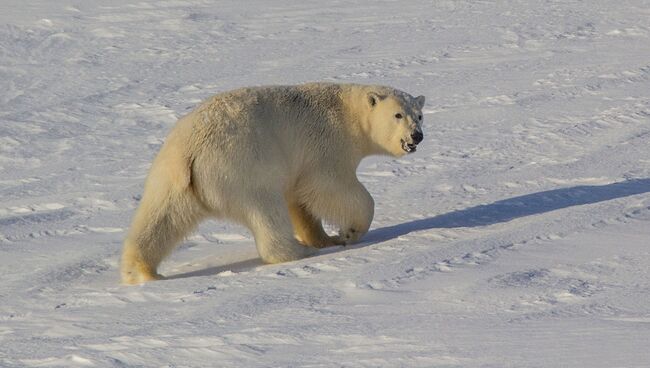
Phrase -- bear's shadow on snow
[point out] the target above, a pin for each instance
(240, 266)
(484, 215)
(512, 208)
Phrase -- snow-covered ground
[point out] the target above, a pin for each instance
(517, 236)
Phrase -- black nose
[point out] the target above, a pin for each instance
(417, 136)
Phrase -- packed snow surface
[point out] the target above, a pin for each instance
(518, 235)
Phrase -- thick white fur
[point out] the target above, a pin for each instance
(278, 160)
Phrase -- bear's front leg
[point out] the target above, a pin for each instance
(268, 218)
(358, 209)
(308, 229)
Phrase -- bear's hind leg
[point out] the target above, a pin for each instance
(268, 218)
(163, 218)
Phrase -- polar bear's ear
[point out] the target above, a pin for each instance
(420, 101)
(373, 98)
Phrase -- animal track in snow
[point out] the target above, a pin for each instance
(34, 214)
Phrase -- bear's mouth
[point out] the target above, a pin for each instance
(408, 147)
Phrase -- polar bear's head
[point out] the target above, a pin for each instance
(395, 121)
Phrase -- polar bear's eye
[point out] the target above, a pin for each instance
(398, 115)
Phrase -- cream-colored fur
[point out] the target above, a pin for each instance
(278, 160)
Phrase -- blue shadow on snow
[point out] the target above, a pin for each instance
(512, 208)
(497, 212)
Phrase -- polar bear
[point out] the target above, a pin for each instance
(278, 160)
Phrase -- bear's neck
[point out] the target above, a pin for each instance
(358, 124)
